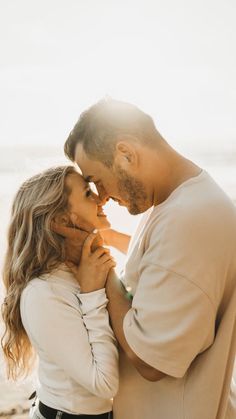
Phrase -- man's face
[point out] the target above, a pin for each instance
(114, 183)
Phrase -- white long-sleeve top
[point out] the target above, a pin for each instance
(78, 357)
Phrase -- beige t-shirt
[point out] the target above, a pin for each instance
(181, 269)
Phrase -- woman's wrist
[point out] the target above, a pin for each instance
(88, 289)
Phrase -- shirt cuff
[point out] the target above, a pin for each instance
(92, 300)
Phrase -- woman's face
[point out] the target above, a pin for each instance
(84, 205)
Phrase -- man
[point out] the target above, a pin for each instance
(178, 334)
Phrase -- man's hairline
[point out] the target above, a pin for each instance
(87, 178)
(88, 157)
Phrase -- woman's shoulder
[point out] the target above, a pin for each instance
(37, 288)
(55, 288)
(34, 300)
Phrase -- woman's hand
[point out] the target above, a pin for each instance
(94, 266)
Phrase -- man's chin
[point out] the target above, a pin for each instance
(134, 210)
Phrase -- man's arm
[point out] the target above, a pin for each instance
(116, 239)
(119, 305)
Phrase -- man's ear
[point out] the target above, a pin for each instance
(126, 154)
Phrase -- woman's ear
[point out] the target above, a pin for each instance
(61, 219)
(73, 217)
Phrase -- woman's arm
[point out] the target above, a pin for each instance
(78, 337)
(116, 239)
(74, 332)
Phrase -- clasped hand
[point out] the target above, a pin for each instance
(88, 260)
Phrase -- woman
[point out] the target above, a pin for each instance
(45, 310)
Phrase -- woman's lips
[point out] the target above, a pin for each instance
(101, 214)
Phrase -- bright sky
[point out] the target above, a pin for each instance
(174, 59)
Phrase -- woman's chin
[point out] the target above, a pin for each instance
(103, 224)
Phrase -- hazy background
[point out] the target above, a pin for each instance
(174, 59)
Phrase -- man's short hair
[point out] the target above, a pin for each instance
(99, 128)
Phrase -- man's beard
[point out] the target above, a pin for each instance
(132, 192)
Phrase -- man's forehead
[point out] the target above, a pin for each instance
(88, 167)
(80, 155)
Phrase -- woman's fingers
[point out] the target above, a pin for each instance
(88, 244)
(110, 264)
(99, 252)
(103, 259)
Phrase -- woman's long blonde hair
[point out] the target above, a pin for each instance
(33, 249)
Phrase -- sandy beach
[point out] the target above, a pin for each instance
(14, 401)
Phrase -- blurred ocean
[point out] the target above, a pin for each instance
(16, 165)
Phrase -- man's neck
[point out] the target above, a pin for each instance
(176, 170)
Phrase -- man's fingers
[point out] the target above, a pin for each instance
(69, 232)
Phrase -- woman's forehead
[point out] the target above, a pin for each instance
(76, 180)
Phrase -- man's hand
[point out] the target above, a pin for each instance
(74, 240)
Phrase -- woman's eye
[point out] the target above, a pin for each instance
(88, 192)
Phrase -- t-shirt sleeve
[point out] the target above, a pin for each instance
(75, 335)
(170, 322)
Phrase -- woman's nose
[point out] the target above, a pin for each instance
(104, 200)
(103, 196)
